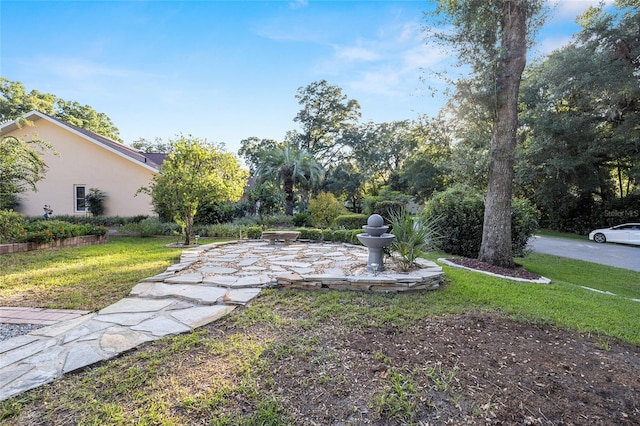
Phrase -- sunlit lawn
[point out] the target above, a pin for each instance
(87, 278)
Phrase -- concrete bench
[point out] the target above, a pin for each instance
(286, 236)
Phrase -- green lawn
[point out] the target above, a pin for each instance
(87, 278)
(94, 277)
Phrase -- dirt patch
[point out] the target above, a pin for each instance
(517, 272)
(468, 369)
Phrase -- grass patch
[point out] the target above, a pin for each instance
(88, 278)
(258, 364)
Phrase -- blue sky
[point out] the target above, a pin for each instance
(228, 70)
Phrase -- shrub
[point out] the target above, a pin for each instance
(281, 220)
(347, 236)
(524, 222)
(389, 208)
(254, 232)
(412, 236)
(324, 208)
(327, 235)
(10, 224)
(311, 234)
(302, 219)
(49, 230)
(351, 221)
(213, 213)
(95, 198)
(151, 226)
(108, 221)
(461, 213)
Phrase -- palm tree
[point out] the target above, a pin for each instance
(290, 167)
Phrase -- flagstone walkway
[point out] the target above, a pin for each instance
(209, 282)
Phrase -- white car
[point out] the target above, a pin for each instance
(628, 233)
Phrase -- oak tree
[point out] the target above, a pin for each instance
(490, 36)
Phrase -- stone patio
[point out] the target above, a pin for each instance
(208, 282)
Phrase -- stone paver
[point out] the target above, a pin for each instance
(207, 283)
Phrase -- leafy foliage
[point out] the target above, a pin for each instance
(460, 210)
(324, 209)
(14, 230)
(10, 224)
(580, 155)
(290, 167)
(21, 167)
(459, 214)
(302, 219)
(95, 198)
(193, 174)
(325, 116)
(15, 101)
(351, 221)
(413, 236)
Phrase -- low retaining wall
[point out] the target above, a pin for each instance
(85, 240)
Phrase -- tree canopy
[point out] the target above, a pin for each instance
(290, 167)
(16, 101)
(194, 173)
(21, 167)
(325, 115)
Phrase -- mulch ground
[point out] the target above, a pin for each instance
(466, 369)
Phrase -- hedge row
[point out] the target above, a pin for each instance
(13, 229)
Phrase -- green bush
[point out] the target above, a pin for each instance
(461, 213)
(351, 221)
(311, 234)
(221, 230)
(95, 198)
(389, 208)
(460, 210)
(214, 213)
(413, 235)
(302, 219)
(254, 232)
(524, 222)
(324, 209)
(347, 236)
(150, 227)
(46, 231)
(327, 234)
(108, 221)
(280, 220)
(10, 224)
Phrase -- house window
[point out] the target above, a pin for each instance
(81, 198)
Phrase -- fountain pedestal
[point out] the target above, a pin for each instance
(375, 240)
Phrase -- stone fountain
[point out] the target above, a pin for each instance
(375, 239)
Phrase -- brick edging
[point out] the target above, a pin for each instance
(84, 240)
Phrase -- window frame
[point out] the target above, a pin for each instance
(76, 199)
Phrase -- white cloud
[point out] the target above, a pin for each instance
(77, 68)
(423, 56)
(356, 53)
(298, 4)
(547, 45)
(572, 8)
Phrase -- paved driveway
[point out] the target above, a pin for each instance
(621, 256)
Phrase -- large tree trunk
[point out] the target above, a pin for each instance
(288, 194)
(496, 233)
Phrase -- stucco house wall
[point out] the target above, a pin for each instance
(84, 160)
